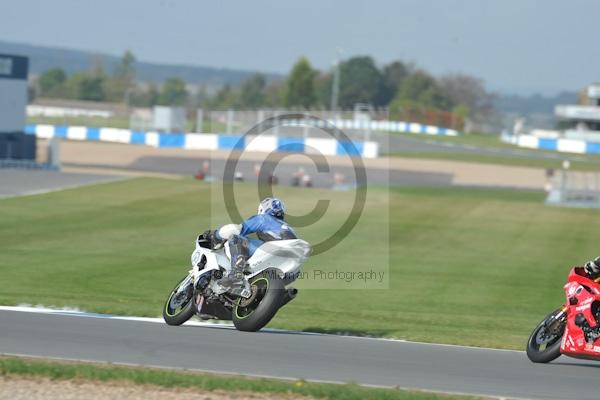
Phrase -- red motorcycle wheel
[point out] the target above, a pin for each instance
(543, 345)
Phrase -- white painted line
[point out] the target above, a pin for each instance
(109, 179)
(79, 313)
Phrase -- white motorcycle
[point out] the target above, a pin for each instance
(272, 267)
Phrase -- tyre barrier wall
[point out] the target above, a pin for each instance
(208, 141)
(553, 144)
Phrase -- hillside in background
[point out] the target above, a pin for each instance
(533, 104)
(43, 58)
(537, 110)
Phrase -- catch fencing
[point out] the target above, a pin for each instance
(574, 189)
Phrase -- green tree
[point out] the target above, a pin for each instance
(275, 94)
(121, 83)
(152, 95)
(91, 87)
(126, 66)
(323, 87)
(421, 90)
(173, 93)
(226, 97)
(467, 95)
(360, 82)
(393, 74)
(52, 82)
(252, 93)
(147, 97)
(300, 85)
(87, 86)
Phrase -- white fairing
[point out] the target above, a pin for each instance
(284, 255)
(287, 256)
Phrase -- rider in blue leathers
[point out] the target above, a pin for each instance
(269, 224)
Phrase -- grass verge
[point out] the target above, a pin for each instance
(473, 139)
(120, 122)
(531, 162)
(206, 382)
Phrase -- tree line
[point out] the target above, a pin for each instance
(119, 86)
(406, 91)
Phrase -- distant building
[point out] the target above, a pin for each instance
(13, 92)
(582, 121)
(577, 121)
(14, 144)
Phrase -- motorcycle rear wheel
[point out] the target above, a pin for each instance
(543, 345)
(267, 297)
(176, 311)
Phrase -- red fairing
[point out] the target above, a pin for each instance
(581, 293)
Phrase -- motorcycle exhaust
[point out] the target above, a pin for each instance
(290, 294)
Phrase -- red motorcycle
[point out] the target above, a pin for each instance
(574, 329)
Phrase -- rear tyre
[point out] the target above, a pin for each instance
(543, 345)
(180, 305)
(268, 290)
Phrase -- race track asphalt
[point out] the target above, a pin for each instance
(498, 373)
(188, 166)
(15, 182)
(410, 144)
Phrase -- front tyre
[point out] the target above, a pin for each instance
(543, 345)
(252, 314)
(179, 306)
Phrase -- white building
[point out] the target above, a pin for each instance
(582, 121)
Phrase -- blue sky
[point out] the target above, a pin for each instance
(516, 46)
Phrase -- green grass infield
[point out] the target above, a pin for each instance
(473, 267)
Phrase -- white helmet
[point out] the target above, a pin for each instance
(272, 206)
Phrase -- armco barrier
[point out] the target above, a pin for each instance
(552, 144)
(207, 141)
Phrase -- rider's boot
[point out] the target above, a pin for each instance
(235, 279)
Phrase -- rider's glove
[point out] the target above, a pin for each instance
(593, 267)
(215, 242)
(211, 237)
(207, 235)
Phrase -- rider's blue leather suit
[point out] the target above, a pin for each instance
(266, 228)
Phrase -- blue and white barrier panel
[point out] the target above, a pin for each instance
(553, 144)
(412, 127)
(209, 141)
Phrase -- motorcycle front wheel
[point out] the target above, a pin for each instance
(252, 314)
(180, 305)
(543, 345)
